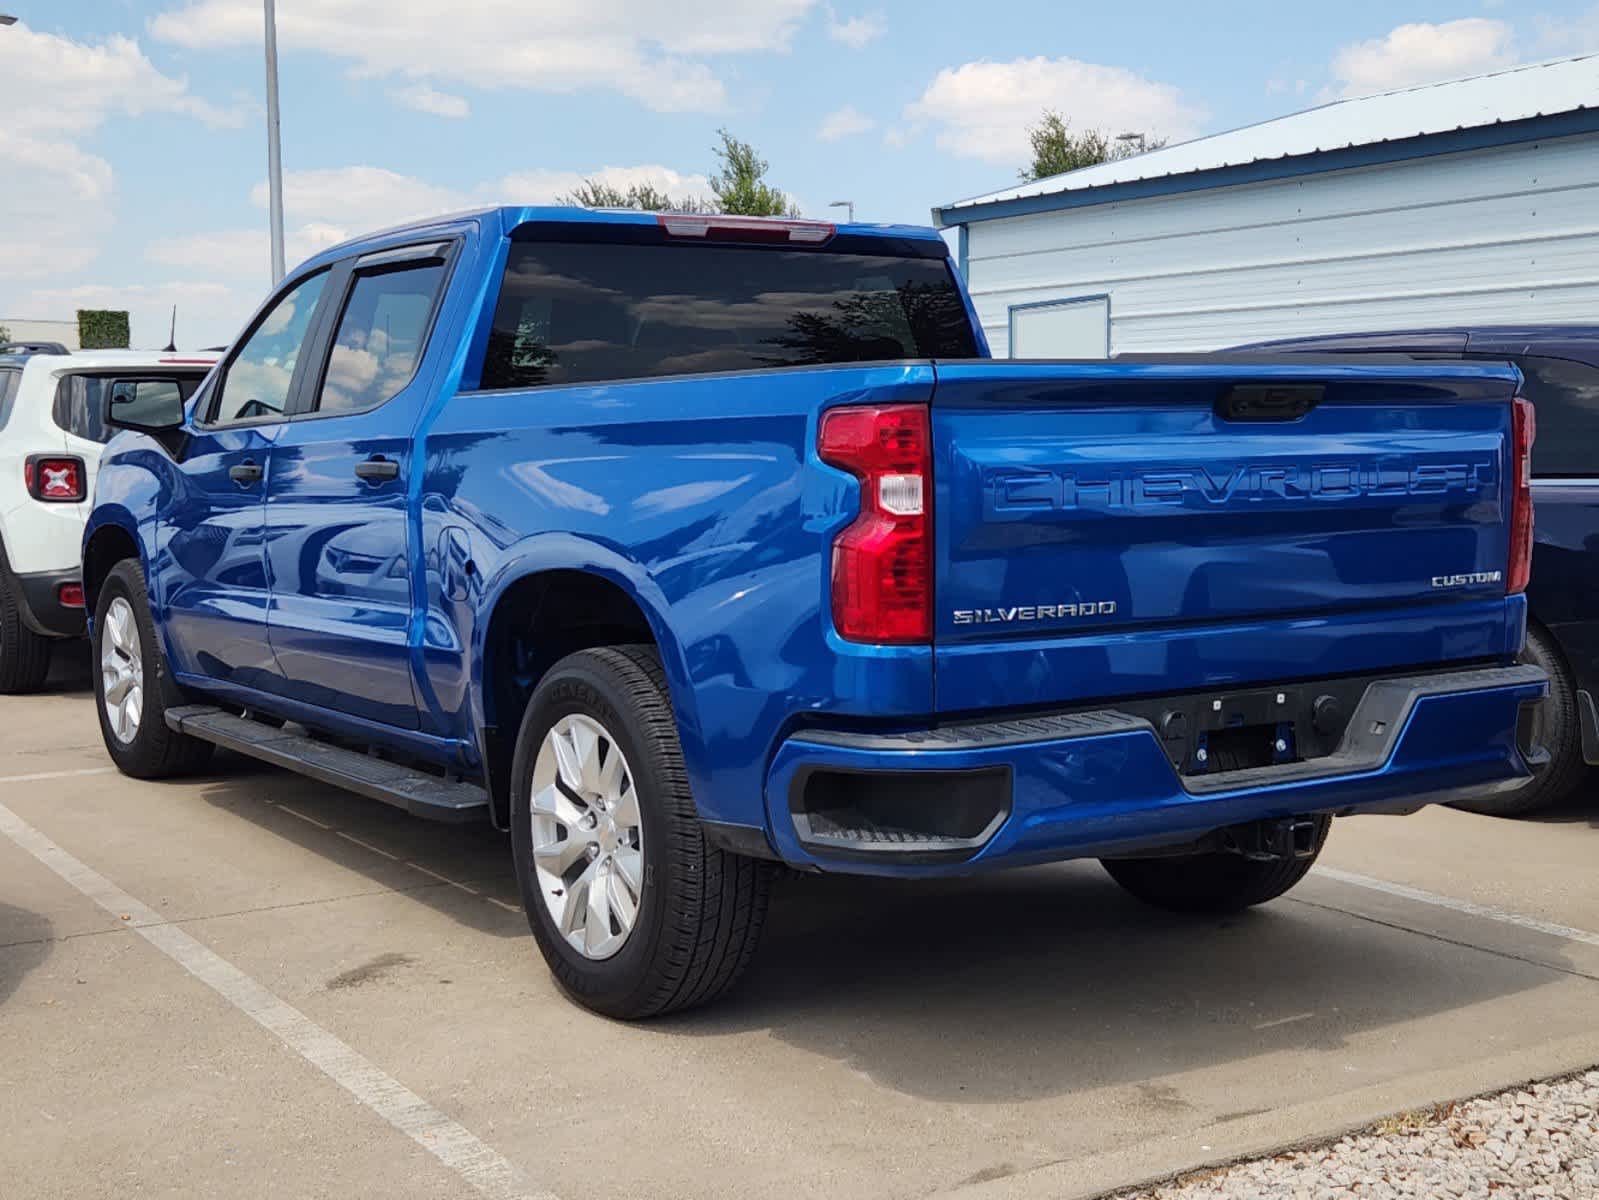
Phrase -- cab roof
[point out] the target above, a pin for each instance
(504, 219)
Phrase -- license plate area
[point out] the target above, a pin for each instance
(1236, 731)
(1244, 746)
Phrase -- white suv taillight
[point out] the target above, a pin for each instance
(883, 562)
(54, 478)
(1524, 429)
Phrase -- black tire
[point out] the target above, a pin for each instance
(700, 908)
(1213, 883)
(1556, 727)
(24, 654)
(154, 751)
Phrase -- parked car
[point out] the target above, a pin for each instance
(679, 546)
(1560, 364)
(52, 432)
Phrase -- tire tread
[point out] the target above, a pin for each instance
(24, 654)
(715, 909)
(157, 752)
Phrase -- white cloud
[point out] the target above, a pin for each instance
(52, 84)
(641, 48)
(325, 207)
(243, 254)
(1423, 53)
(360, 198)
(54, 206)
(56, 198)
(844, 122)
(983, 109)
(856, 32)
(425, 98)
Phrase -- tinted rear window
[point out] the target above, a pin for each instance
(80, 399)
(1566, 397)
(578, 313)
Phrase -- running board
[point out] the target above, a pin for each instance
(417, 792)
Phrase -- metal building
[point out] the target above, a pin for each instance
(1475, 200)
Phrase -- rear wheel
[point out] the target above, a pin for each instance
(635, 913)
(24, 654)
(133, 688)
(1555, 727)
(1215, 882)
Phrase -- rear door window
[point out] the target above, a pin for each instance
(380, 336)
(1565, 394)
(578, 313)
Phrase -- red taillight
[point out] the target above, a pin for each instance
(1524, 429)
(70, 595)
(54, 478)
(883, 562)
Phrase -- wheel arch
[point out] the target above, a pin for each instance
(551, 600)
(108, 540)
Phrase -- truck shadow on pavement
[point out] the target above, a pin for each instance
(26, 939)
(1002, 987)
(1031, 983)
(1579, 808)
(462, 871)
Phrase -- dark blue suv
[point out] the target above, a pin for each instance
(1560, 364)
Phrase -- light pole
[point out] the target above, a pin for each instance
(274, 151)
(845, 204)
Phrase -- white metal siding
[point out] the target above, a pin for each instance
(1507, 234)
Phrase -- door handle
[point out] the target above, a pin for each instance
(244, 474)
(377, 469)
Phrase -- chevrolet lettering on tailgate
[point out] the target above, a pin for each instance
(1011, 492)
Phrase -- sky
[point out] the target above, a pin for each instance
(133, 144)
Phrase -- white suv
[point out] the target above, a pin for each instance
(52, 430)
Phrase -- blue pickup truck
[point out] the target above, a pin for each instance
(681, 547)
(1560, 373)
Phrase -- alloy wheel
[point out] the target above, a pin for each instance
(588, 836)
(122, 671)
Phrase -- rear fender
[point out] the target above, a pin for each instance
(566, 552)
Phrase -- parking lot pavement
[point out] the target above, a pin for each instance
(315, 995)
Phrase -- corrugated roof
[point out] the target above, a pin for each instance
(1516, 94)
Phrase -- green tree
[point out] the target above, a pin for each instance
(740, 184)
(1056, 149)
(5, 334)
(596, 193)
(102, 329)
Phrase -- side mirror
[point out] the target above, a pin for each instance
(148, 405)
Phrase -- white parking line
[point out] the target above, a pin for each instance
(484, 1168)
(40, 776)
(1461, 906)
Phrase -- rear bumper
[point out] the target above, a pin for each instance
(1090, 784)
(39, 595)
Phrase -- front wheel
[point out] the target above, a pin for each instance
(634, 912)
(1215, 882)
(132, 687)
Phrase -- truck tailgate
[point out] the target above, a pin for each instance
(1200, 522)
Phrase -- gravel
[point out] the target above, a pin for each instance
(1540, 1141)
